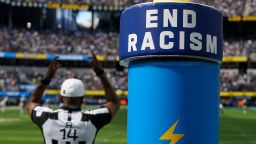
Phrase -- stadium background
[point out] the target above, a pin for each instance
(32, 32)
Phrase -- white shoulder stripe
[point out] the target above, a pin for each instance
(98, 111)
(39, 110)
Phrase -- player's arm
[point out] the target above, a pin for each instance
(113, 103)
(36, 96)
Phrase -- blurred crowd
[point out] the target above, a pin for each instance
(234, 48)
(233, 81)
(15, 79)
(233, 7)
(250, 46)
(228, 7)
(240, 47)
(78, 42)
(19, 79)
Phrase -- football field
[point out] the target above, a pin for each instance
(236, 128)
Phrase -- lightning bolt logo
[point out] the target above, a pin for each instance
(169, 135)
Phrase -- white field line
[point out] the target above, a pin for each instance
(9, 120)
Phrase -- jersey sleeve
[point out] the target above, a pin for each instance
(100, 117)
(40, 115)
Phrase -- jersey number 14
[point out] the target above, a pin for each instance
(67, 134)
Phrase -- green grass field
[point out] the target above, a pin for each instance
(236, 128)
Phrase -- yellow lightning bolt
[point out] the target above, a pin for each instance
(168, 135)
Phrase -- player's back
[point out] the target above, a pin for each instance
(70, 126)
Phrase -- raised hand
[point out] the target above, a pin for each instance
(96, 65)
(52, 68)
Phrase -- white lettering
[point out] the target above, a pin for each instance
(211, 45)
(132, 41)
(196, 41)
(172, 18)
(167, 41)
(148, 42)
(182, 40)
(162, 42)
(151, 16)
(186, 15)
